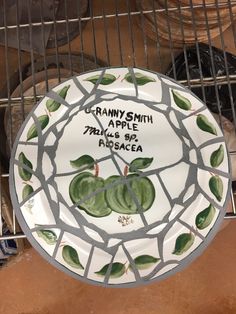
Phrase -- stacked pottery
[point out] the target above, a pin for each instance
(230, 139)
(13, 119)
(185, 21)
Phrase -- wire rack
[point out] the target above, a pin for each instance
(110, 37)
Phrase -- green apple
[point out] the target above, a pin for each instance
(120, 198)
(99, 197)
(81, 186)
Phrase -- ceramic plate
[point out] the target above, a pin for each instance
(120, 176)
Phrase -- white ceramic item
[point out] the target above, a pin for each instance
(120, 176)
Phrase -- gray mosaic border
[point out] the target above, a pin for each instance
(139, 281)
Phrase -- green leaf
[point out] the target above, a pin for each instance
(53, 105)
(106, 79)
(32, 132)
(216, 187)
(83, 162)
(139, 78)
(217, 157)
(48, 236)
(27, 190)
(205, 217)
(205, 125)
(24, 174)
(140, 163)
(71, 257)
(183, 243)
(181, 101)
(117, 270)
(145, 262)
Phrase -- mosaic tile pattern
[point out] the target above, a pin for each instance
(153, 160)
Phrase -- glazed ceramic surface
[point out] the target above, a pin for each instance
(120, 176)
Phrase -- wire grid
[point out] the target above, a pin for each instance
(111, 34)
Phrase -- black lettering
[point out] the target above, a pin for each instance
(123, 124)
(110, 144)
(111, 123)
(129, 116)
(101, 143)
(122, 112)
(113, 113)
(150, 119)
(87, 110)
(135, 127)
(109, 134)
(117, 147)
(137, 117)
(92, 131)
(122, 146)
(118, 123)
(87, 127)
(117, 135)
(104, 112)
(139, 149)
(98, 111)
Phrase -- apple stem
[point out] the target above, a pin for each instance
(96, 170)
(27, 182)
(126, 170)
(48, 113)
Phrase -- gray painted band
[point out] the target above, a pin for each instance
(55, 205)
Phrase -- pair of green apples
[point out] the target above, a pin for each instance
(129, 194)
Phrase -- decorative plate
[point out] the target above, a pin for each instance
(120, 177)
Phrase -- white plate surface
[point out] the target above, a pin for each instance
(120, 176)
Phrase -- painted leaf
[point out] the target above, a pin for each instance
(48, 236)
(139, 78)
(83, 162)
(216, 187)
(32, 132)
(181, 101)
(117, 270)
(24, 174)
(53, 105)
(140, 163)
(106, 79)
(217, 157)
(27, 190)
(205, 217)
(145, 262)
(183, 243)
(71, 257)
(205, 125)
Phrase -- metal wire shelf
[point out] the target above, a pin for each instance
(122, 14)
(111, 34)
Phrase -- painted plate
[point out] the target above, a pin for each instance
(120, 176)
